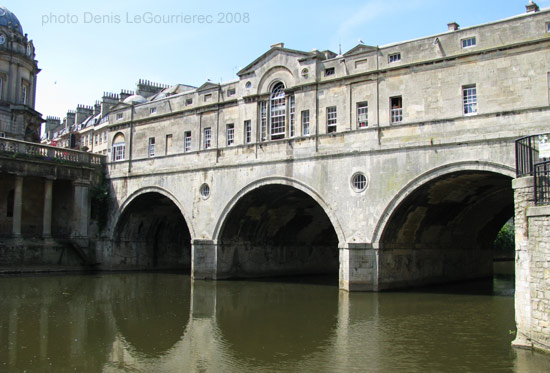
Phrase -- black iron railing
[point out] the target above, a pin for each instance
(542, 183)
(530, 163)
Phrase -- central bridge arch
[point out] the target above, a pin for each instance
(277, 226)
(441, 226)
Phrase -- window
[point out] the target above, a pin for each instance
(168, 144)
(24, 95)
(263, 119)
(468, 42)
(151, 146)
(207, 138)
(305, 123)
(119, 116)
(247, 131)
(119, 147)
(96, 139)
(188, 102)
(394, 57)
(1, 86)
(396, 111)
(230, 92)
(105, 136)
(230, 134)
(291, 115)
(331, 119)
(207, 97)
(469, 96)
(101, 138)
(153, 110)
(329, 71)
(362, 114)
(305, 73)
(248, 85)
(2, 134)
(548, 27)
(187, 141)
(205, 191)
(277, 111)
(359, 182)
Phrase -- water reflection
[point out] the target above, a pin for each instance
(164, 322)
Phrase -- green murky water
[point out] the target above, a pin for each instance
(154, 322)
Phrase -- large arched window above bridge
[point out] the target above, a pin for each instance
(277, 111)
(119, 147)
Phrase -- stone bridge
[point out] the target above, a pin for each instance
(435, 197)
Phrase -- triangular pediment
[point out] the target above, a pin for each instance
(269, 55)
(207, 86)
(358, 49)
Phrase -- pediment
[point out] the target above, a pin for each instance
(270, 54)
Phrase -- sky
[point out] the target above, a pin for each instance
(87, 48)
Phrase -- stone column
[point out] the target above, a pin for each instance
(203, 260)
(358, 267)
(47, 218)
(81, 205)
(523, 199)
(17, 206)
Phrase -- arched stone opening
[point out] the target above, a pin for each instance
(444, 230)
(277, 230)
(152, 233)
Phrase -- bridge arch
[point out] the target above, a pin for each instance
(151, 231)
(441, 225)
(277, 226)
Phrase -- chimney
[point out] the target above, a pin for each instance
(147, 88)
(71, 116)
(278, 45)
(83, 112)
(97, 108)
(124, 94)
(108, 101)
(532, 7)
(453, 26)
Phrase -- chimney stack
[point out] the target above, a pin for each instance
(453, 26)
(532, 7)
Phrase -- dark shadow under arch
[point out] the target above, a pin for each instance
(444, 230)
(277, 230)
(151, 233)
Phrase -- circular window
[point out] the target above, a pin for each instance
(248, 85)
(305, 73)
(359, 182)
(205, 191)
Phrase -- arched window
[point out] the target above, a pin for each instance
(119, 147)
(277, 111)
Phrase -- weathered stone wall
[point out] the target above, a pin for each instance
(532, 295)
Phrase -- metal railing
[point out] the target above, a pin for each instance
(542, 183)
(46, 152)
(530, 163)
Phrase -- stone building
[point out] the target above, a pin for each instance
(18, 71)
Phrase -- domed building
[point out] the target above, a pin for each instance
(18, 71)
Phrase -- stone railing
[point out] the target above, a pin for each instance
(48, 153)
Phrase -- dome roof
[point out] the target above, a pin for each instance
(135, 99)
(7, 17)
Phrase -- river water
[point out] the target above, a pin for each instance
(163, 322)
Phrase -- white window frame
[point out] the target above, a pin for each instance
(207, 97)
(394, 57)
(332, 119)
(469, 99)
(396, 113)
(362, 114)
(151, 148)
(187, 141)
(24, 94)
(119, 116)
(292, 115)
(230, 134)
(277, 112)
(468, 42)
(207, 138)
(188, 102)
(305, 123)
(152, 110)
(247, 131)
(263, 120)
(118, 151)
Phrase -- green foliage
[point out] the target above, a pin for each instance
(505, 238)
(100, 202)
